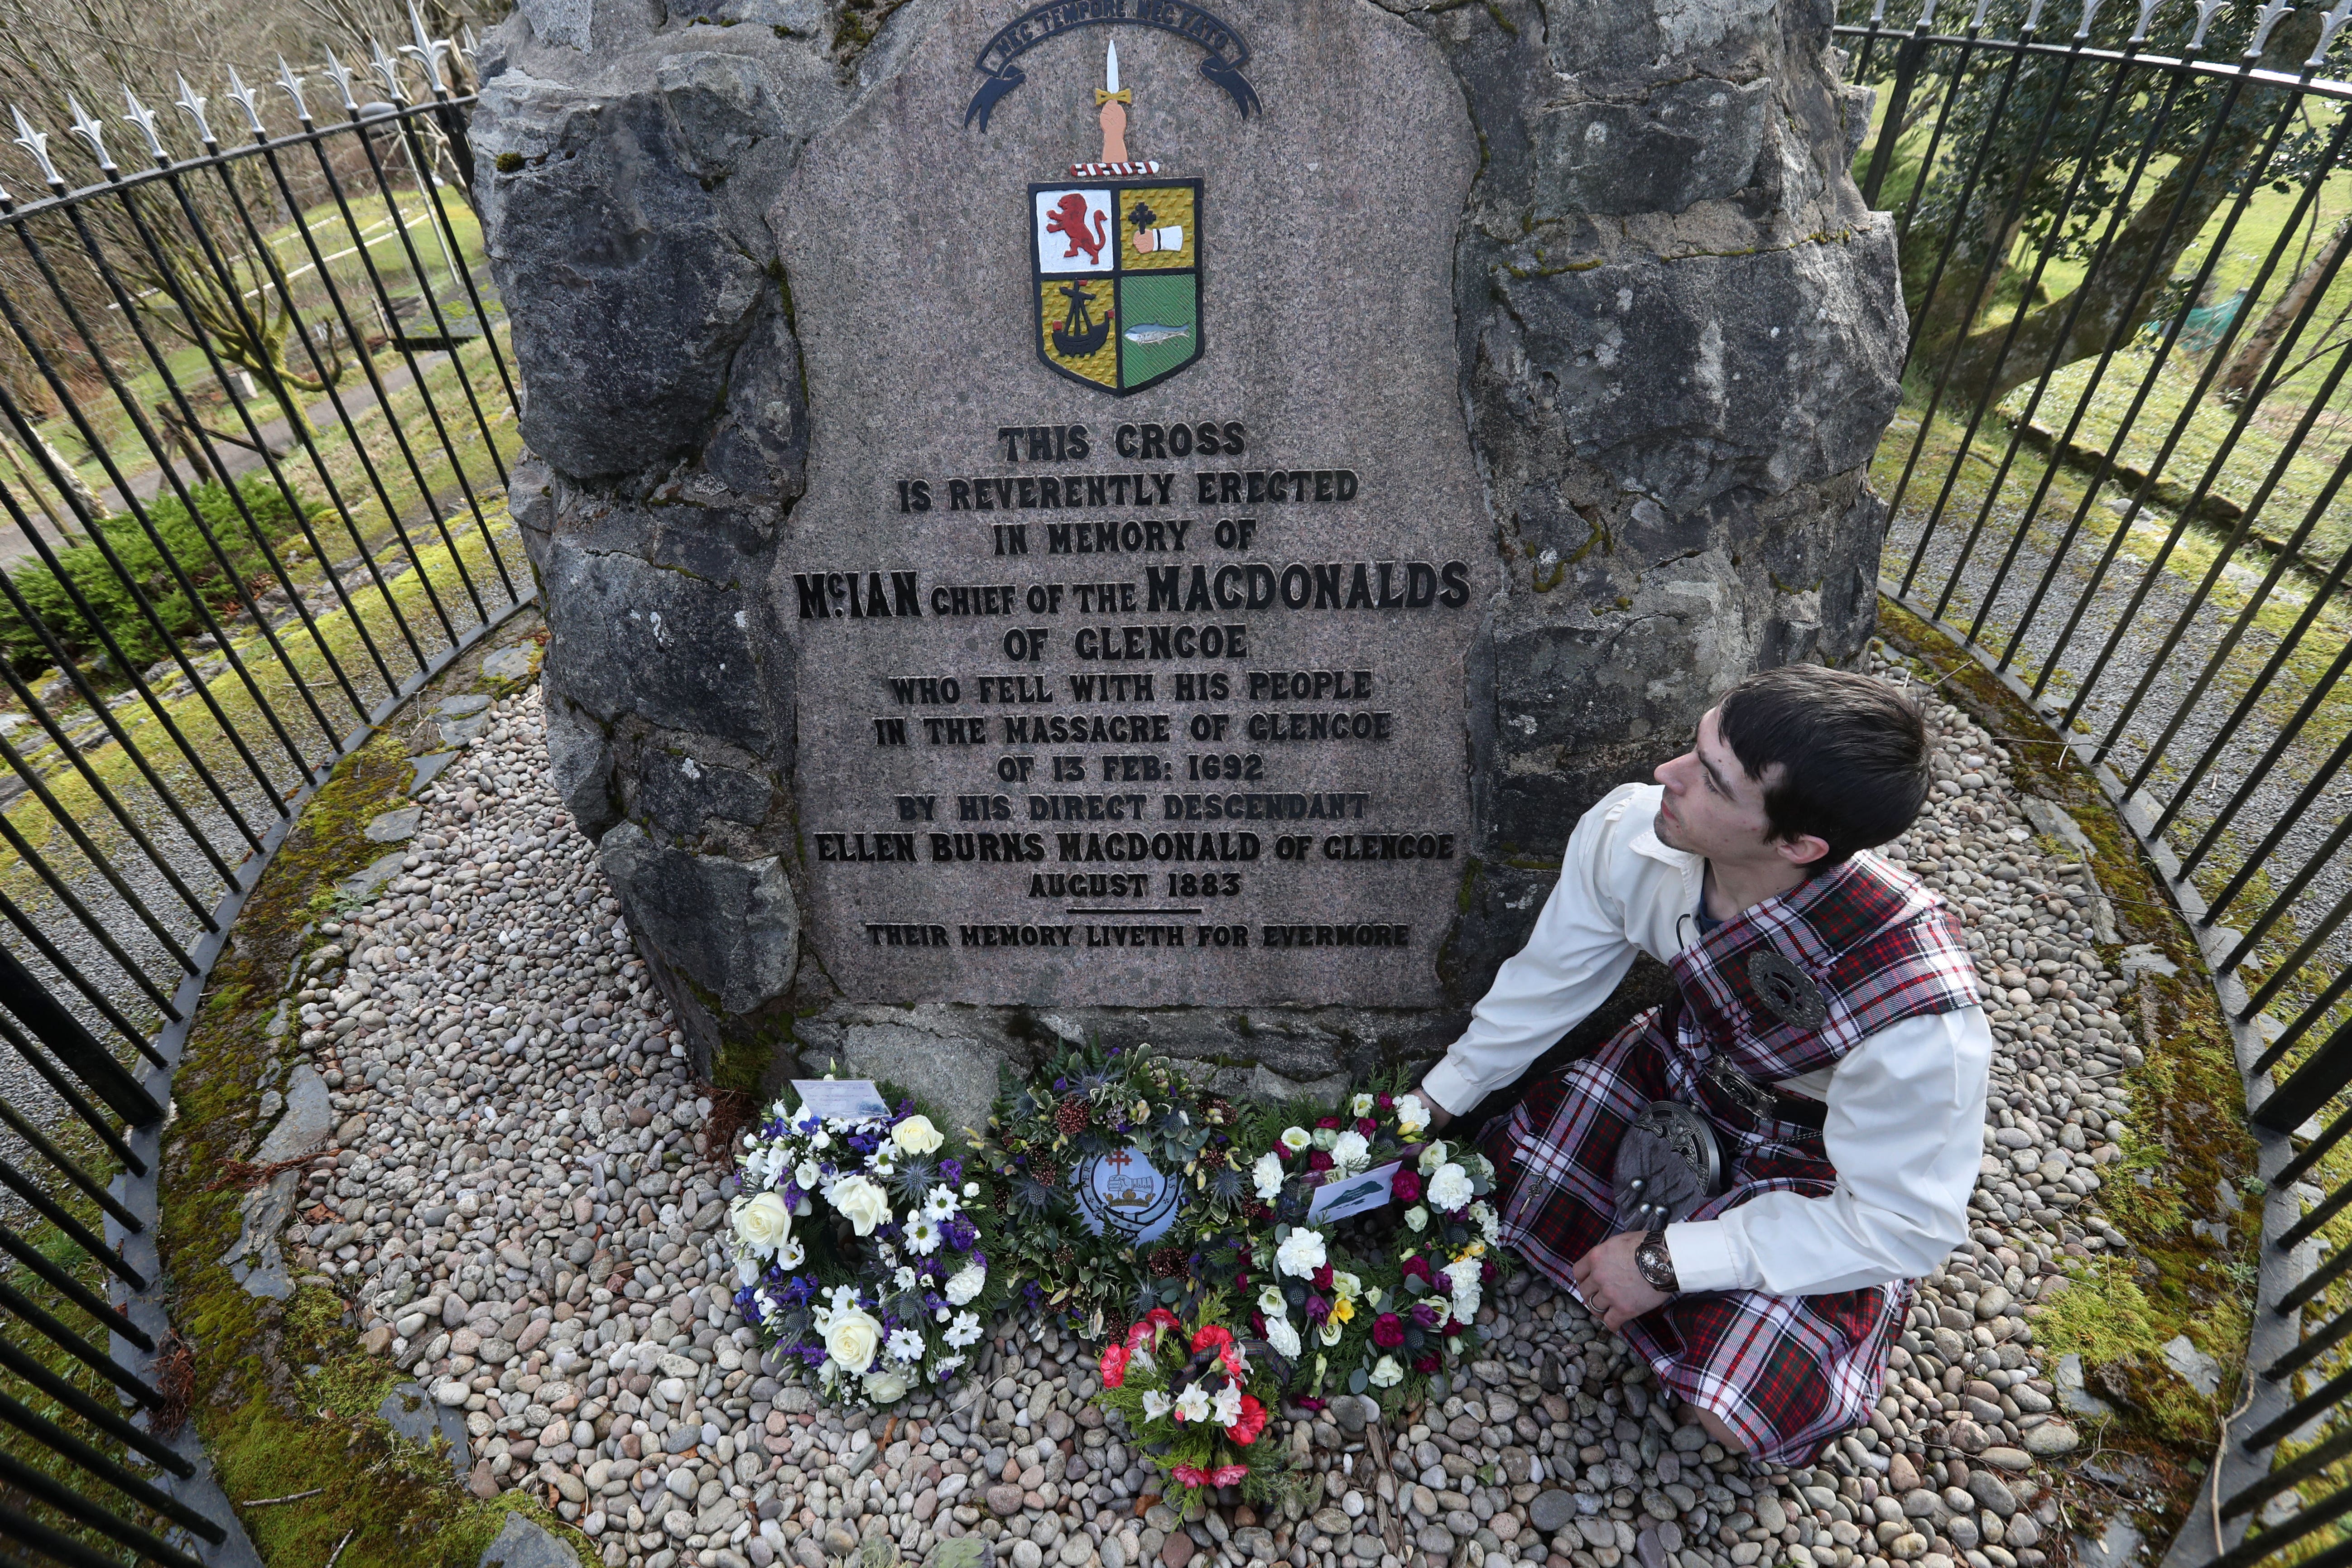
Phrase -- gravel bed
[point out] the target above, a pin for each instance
(518, 1198)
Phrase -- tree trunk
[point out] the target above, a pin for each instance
(2246, 369)
(2105, 304)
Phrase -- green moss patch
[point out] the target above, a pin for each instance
(2188, 1159)
(285, 1397)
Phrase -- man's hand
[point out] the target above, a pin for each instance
(1612, 1285)
(1438, 1115)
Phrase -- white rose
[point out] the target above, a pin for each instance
(1450, 1188)
(1301, 1253)
(1411, 1115)
(1416, 1218)
(861, 1202)
(1386, 1373)
(915, 1135)
(761, 1222)
(1296, 1139)
(887, 1387)
(851, 1340)
(1267, 1174)
(1351, 1152)
(1283, 1338)
(966, 1283)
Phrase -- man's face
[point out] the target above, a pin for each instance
(1712, 807)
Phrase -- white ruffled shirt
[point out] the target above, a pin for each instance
(1905, 1107)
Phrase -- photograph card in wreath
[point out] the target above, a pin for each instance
(1123, 1194)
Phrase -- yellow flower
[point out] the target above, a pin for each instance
(1343, 1310)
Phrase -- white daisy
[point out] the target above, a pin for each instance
(964, 1330)
(923, 1233)
(906, 1344)
(941, 1204)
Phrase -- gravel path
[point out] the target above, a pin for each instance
(519, 1200)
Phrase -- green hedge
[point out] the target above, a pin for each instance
(111, 596)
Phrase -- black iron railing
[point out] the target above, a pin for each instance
(256, 412)
(2117, 478)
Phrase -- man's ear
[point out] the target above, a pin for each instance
(1804, 849)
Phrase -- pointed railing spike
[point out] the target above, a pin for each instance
(291, 85)
(342, 74)
(244, 99)
(2090, 14)
(192, 104)
(2206, 11)
(428, 51)
(37, 142)
(144, 118)
(472, 45)
(2329, 26)
(387, 71)
(1976, 17)
(2269, 16)
(2033, 17)
(92, 134)
(2148, 10)
(1926, 22)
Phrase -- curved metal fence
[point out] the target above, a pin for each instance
(2117, 478)
(256, 408)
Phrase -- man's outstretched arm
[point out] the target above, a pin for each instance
(1572, 961)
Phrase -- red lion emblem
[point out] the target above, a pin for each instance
(1068, 218)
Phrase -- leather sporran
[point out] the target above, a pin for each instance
(1668, 1163)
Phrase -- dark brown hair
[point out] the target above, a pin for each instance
(1853, 753)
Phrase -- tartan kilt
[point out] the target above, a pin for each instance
(1785, 1373)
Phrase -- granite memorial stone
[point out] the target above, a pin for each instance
(1155, 517)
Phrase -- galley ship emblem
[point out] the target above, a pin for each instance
(1116, 263)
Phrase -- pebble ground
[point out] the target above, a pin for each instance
(518, 1199)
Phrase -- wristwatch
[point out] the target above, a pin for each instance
(1657, 1264)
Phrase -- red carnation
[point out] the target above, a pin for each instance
(1321, 1278)
(1114, 1365)
(1330, 1122)
(1426, 1364)
(1386, 1101)
(1487, 1271)
(1367, 1126)
(1388, 1330)
(1406, 1187)
(1416, 1266)
(1253, 1421)
(1214, 1335)
(1318, 1161)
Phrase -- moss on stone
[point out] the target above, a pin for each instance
(2187, 1145)
(284, 1396)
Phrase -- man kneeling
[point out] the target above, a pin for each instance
(1825, 1027)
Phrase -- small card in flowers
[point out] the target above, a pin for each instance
(850, 1099)
(1352, 1195)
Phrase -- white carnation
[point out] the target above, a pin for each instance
(1301, 1253)
(1464, 1277)
(1267, 1174)
(1386, 1373)
(966, 1283)
(1283, 1338)
(1411, 1115)
(1450, 1188)
(1351, 1152)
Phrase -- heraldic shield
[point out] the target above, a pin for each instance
(1118, 280)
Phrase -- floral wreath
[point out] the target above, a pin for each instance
(1089, 1101)
(1384, 1300)
(858, 1250)
(1197, 1402)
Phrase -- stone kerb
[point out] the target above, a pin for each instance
(1555, 338)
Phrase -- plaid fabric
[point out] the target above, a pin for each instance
(1784, 1373)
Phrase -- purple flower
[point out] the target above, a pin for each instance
(1424, 1314)
(951, 1169)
